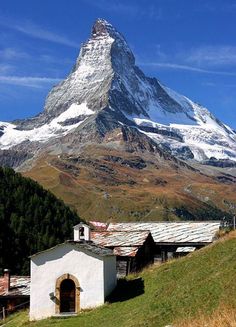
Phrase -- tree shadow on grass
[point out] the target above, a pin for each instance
(126, 289)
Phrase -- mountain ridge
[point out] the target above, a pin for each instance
(108, 108)
(106, 90)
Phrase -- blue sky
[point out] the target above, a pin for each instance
(189, 45)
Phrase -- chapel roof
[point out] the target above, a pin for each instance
(82, 245)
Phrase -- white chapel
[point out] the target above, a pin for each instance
(71, 276)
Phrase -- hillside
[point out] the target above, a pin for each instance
(122, 186)
(31, 219)
(194, 286)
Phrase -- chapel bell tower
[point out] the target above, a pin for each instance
(82, 232)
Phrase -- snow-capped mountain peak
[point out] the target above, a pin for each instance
(106, 90)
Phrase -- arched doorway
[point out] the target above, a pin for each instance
(67, 294)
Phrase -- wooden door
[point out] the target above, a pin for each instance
(67, 296)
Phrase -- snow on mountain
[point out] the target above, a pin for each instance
(107, 86)
(89, 80)
(199, 131)
(13, 136)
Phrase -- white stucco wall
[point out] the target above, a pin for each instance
(88, 268)
(110, 275)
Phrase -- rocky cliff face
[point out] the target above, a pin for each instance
(107, 94)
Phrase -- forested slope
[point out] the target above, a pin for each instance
(31, 219)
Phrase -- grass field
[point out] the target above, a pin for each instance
(184, 293)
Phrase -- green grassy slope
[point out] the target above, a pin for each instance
(179, 289)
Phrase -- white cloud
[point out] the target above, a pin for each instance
(28, 81)
(166, 65)
(49, 59)
(126, 8)
(10, 53)
(205, 59)
(159, 54)
(36, 31)
(213, 6)
(4, 68)
(213, 55)
(115, 6)
(212, 84)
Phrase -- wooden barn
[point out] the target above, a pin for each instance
(133, 249)
(173, 239)
(14, 293)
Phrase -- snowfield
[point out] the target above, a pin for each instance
(200, 131)
(12, 136)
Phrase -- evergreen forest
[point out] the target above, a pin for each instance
(32, 219)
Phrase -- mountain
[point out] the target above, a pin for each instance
(31, 218)
(107, 132)
(107, 91)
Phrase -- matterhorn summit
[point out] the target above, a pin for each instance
(106, 94)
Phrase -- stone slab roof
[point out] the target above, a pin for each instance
(83, 245)
(123, 243)
(125, 251)
(19, 286)
(185, 249)
(119, 238)
(173, 232)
